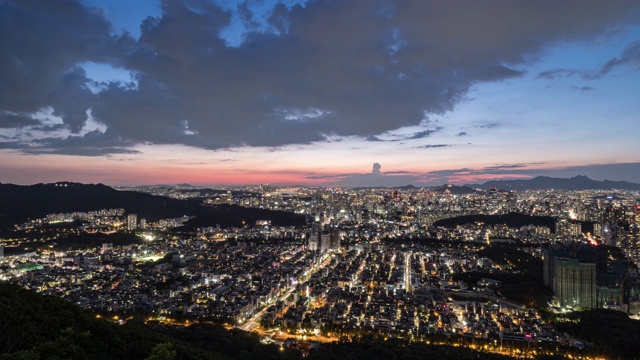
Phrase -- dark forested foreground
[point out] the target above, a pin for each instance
(612, 333)
(33, 326)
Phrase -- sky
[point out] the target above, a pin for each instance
(320, 93)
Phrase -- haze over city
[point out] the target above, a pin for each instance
(346, 93)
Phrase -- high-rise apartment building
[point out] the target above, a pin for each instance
(325, 241)
(574, 283)
(313, 242)
(330, 240)
(548, 270)
(132, 222)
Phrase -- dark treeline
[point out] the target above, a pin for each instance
(510, 219)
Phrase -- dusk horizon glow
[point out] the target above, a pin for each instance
(318, 93)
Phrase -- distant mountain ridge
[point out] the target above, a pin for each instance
(19, 203)
(579, 182)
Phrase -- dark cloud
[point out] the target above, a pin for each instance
(375, 138)
(10, 120)
(16, 145)
(321, 71)
(376, 169)
(422, 134)
(247, 17)
(41, 45)
(462, 133)
(84, 151)
(418, 135)
(94, 143)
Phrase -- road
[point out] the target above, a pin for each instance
(253, 322)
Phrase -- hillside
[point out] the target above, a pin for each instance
(511, 220)
(20, 203)
(33, 326)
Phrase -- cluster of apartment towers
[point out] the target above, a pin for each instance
(323, 240)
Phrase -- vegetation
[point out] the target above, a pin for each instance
(87, 240)
(67, 240)
(612, 333)
(524, 286)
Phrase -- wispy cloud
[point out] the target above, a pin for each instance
(431, 146)
(582, 88)
(557, 73)
(630, 57)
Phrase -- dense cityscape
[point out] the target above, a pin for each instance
(368, 261)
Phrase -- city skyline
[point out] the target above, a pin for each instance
(378, 93)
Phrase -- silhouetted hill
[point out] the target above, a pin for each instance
(20, 203)
(511, 220)
(579, 182)
(454, 189)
